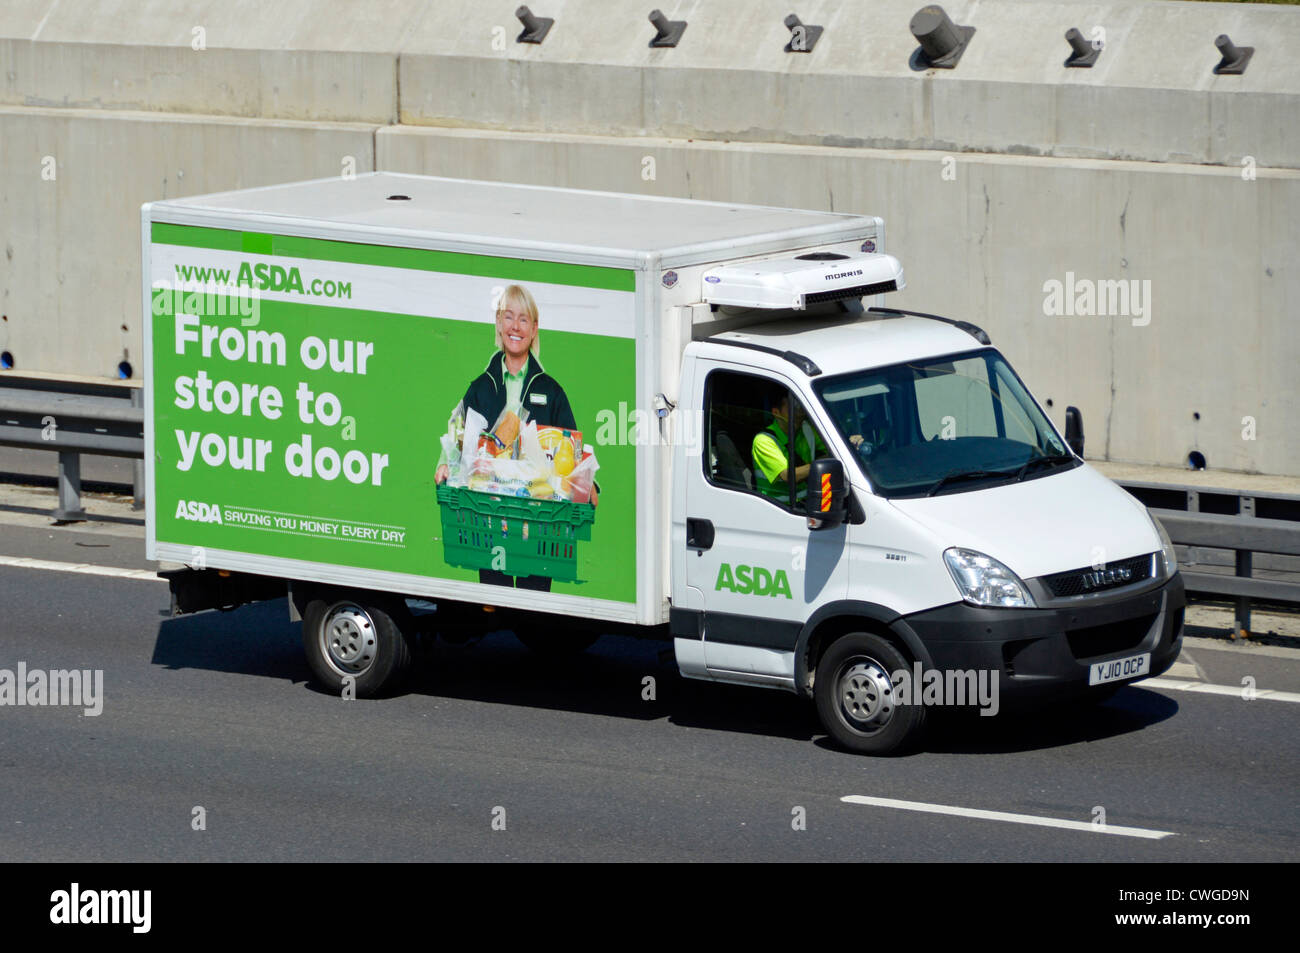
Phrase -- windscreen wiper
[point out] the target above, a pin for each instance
(964, 475)
(1050, 459)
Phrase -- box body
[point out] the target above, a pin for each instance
(306, 345)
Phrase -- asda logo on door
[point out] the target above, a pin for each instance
(753, 581)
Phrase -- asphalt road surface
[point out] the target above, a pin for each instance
(496, 755)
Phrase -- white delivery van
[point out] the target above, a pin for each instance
(429, 406)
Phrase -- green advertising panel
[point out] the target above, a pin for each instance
(305, 393)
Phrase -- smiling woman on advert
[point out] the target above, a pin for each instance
(515, 381)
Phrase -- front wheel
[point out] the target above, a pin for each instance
(347, 640)
(856, 698)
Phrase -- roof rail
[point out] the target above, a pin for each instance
(973, 330)
(805, 364)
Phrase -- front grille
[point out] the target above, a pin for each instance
(1079, 582)
(1110, 638)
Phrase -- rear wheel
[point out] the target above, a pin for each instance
(856, 698)
(352, 639)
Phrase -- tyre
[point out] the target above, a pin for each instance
(551, 644)
(856, 698)
(346, 638)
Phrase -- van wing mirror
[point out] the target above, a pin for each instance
(827, 494)
(1074, 430)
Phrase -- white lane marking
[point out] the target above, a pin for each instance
(1174, 685)
(1004, 816)
(23, 562)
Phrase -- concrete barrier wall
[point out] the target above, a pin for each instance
(315, 85)
(70, 269)
(995, 178)
(291, 59)
(1152, 94)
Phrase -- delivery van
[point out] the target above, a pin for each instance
(425, 407)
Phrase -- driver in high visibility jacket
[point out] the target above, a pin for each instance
(772, 457)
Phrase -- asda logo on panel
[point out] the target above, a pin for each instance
(753, 581)
(267, 277)
(263, 276)
(260, 275)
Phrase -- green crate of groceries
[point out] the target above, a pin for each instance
(517, 535)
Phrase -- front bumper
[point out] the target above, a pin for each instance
(1044, 654)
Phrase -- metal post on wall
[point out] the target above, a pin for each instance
(137, 466)
(69, 509)
(1244, 566)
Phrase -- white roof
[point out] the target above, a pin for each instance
(837, 346)
(524, 216)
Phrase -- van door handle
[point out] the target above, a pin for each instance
(699, 534)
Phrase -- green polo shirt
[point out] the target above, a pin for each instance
(514, 386)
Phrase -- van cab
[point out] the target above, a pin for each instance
(963, 532)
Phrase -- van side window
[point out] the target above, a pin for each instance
(752, 425)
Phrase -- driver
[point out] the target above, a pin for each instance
(771, 452)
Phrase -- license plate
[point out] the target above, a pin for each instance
(1118, 669)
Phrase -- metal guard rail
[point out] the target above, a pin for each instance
(1242, 522)
(71, 424)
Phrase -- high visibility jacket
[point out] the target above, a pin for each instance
(772, 458)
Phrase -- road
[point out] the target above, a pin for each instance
(213, 711)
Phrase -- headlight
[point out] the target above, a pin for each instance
(1166, 549)
(984, 581)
